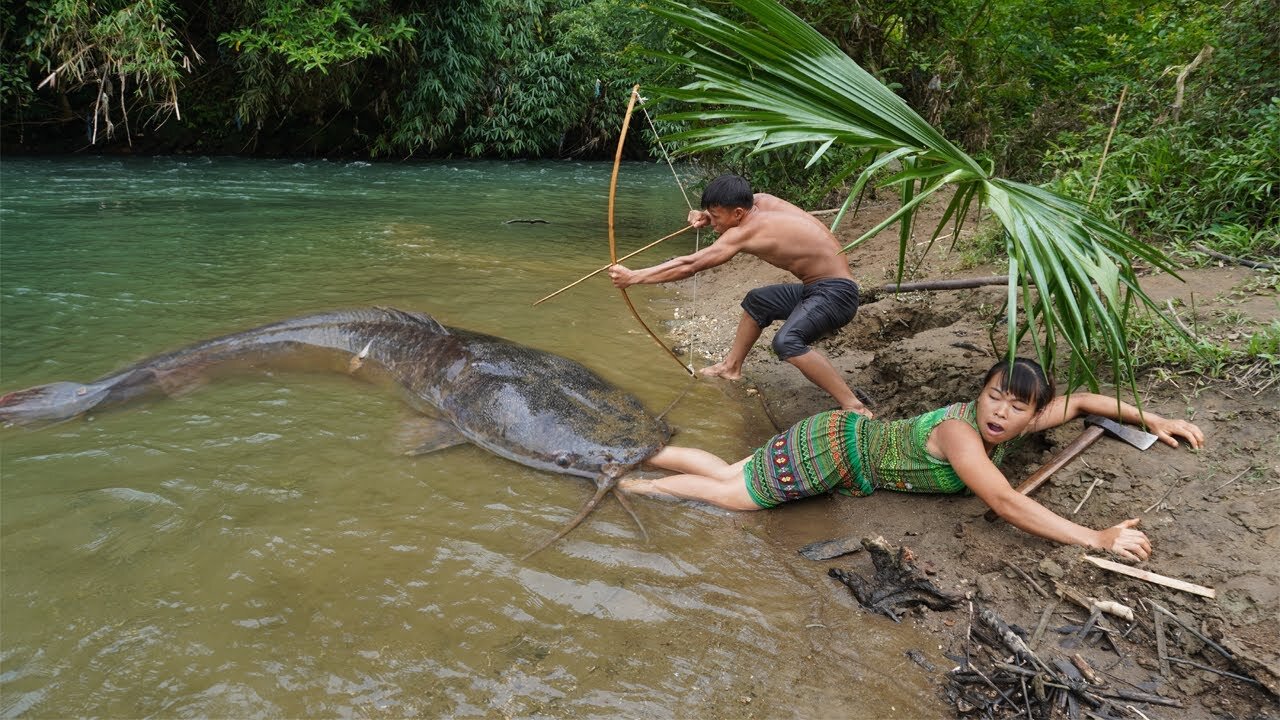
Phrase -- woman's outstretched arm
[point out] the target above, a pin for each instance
(1063, 409)
(964, 450)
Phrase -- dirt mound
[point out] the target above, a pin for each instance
(1213, 515)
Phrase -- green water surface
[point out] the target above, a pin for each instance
(261, 548)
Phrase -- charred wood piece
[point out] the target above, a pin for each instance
(918, 658)
(897, 584)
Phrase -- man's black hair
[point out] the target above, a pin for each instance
(1025, 379)
(728, 191)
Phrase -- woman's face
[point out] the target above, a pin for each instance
(1001, 415)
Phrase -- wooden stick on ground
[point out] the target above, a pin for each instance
(1044, 623)
(1141, 697)
(1237, 477)
(1162, 646)
(1174, 618)
(1085, 669)
(1153, 577)
(1224, 673)
(1041, 591)
(1162, 497)
(874, 294)
(1087, 493)
(1239, 261)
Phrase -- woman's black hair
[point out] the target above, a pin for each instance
(729, 191)
(1025, 379)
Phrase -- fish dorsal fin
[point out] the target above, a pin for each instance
(416, 318)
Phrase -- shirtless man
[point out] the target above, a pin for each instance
(786, 237)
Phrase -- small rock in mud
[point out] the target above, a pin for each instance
(988, 586)
(1051, 568)
(1193, 685)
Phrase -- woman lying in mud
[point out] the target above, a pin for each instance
(948, 450)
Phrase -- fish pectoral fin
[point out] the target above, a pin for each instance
(427, 435)
(357, 360)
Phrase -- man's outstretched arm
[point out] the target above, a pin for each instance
(679, 268)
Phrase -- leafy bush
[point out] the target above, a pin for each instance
(119, 53)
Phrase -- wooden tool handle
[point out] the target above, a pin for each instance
(1068, 453)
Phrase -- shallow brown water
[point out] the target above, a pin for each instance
(261, 548)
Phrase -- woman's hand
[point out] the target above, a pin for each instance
(1166, 429)
(1124, 541)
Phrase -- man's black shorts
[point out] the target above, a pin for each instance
(811, 311)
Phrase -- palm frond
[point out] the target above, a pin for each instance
(773, 81)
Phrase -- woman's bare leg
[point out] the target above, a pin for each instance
(703, 477)
(688, 460)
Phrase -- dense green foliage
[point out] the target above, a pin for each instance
(102, 49)
(517, 79)
(507, 78)
(1031, 89)
(769, 81)
(1027, 88)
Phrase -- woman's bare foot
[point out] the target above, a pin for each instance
(643, 486)
(722, 370)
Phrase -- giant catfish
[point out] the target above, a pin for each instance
(531, 406)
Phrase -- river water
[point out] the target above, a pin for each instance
(261, 548)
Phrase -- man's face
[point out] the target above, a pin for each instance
(723, 218)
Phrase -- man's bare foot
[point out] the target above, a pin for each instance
(722, 370)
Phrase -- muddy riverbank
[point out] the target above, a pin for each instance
(1213, 515)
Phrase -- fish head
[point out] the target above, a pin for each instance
(541, 409)
(562, 418)
(581, 440)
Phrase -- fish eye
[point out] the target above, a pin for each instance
(563, 460)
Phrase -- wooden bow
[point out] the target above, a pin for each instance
(613, 245)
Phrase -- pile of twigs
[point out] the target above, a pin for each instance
(1003, 673)
(1000, 676)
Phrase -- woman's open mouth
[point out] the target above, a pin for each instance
(994, 429)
